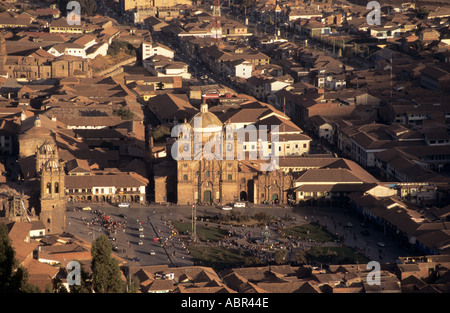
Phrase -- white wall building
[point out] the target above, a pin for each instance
(151, 49)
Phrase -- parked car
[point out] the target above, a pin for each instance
(86, 208)
(141, 228)
(141, 235)
(123, 205)
(381, 244)
(227, 208)
(140, 243)
(239, 205)
(152, 252)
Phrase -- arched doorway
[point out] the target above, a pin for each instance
(207, 196)
(243, 196)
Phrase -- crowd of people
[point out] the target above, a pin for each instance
(106, 223)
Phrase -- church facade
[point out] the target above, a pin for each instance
(211, 167)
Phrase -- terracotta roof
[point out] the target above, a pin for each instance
(119, 180)
(168, 106)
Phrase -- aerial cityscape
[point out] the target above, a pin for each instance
(225, 147)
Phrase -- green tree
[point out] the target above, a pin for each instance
(125, 114)
(86, 283)
(422, 13)
(280, 256)
(161, 132)
(300, 257)
(133, 285)
(106, 274)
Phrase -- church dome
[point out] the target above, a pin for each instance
(205, 121)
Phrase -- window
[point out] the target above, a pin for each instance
(207, 174)
(230, 177)
(49, 188)
(185, 177)
(56, 188)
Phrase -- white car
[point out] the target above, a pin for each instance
(227, 208)
(141, 235)
(239, 205)
(123, 205)
(86, 208)
(152, 252)
(140, 243)
(381, 244)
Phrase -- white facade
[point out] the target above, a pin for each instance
(74, 50)
(150, 50)
(101, 50)
(243, 70)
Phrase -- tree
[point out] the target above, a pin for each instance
(161, 132)
(86, 283)
(125, 114)
(133, 285)
(300, 257)
(422, 13)
(105, 269)
(280, 256)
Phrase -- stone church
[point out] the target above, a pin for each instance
(52, 191)
(205, 172)
(43, 172)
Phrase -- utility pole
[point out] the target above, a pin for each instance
(194, 222)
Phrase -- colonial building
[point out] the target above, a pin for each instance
(206, 176)
(52, 193)
(212, 166)
(36, 63)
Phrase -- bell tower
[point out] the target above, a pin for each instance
(52, 193)
(3, 54)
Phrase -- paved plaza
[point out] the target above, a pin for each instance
(161, 245)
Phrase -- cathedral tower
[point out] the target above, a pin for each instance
(52, 194)
(2, 53)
